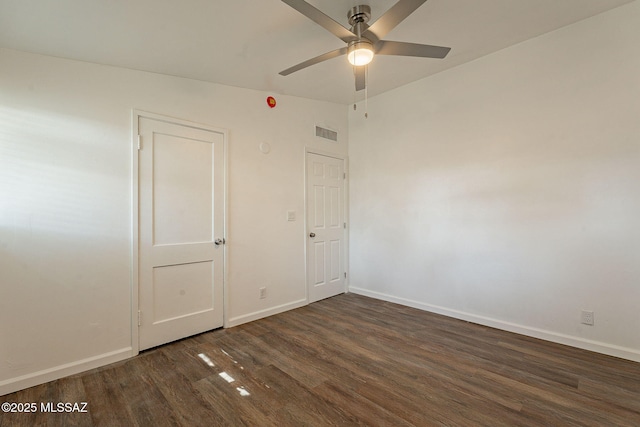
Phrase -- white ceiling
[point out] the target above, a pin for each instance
(245, 43)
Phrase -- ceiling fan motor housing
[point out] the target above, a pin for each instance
(360, 51)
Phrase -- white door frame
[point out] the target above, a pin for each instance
(135, 235)
(345, 206)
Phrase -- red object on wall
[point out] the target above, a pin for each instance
(271, 101)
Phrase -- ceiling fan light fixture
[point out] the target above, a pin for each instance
(360, 52)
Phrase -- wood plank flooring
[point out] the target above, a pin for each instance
(349, 360)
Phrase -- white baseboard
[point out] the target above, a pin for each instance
(29, 380)
(596, 346)
(246, 318)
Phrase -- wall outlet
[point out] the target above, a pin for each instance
(263, 293)
(587, 317)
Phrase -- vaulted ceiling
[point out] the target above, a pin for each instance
(245, 43)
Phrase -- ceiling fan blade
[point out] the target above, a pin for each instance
(313, 61)
(384, 47)
(360, 80)
(391, 19)
(321, 19)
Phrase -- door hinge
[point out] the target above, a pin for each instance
(139, 318)
(344, 175)
(345, 274)
(139, 142)
(345, 225)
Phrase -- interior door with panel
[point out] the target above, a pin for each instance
(326, 227)
(181, 231)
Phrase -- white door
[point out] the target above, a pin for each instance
(181, 214)
(326, 226)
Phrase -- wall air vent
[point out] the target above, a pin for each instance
(329, 134)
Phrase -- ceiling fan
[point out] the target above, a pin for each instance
(364, 40)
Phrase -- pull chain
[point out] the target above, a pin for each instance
(366, 91)
(354, 92)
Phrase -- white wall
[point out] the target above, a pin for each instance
(65, 208)
(506, 191)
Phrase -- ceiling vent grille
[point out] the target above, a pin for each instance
(326, 134)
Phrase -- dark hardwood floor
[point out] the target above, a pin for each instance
(349, 360)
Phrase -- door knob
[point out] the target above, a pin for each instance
(312, 235)
(219, 242)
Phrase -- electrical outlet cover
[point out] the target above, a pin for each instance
(587, 317)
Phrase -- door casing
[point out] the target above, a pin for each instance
(135, 235)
